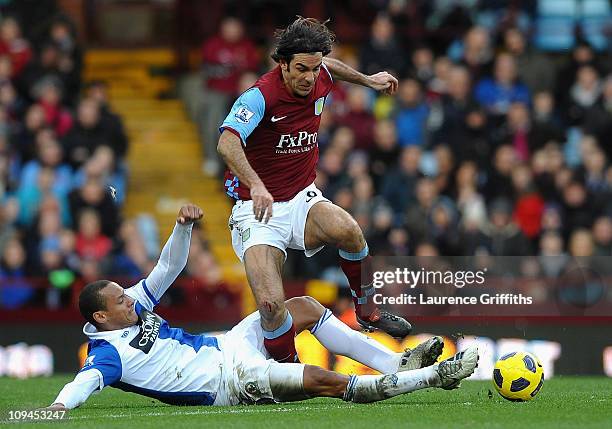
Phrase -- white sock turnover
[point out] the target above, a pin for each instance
(372, 388)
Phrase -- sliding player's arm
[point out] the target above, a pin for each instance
(245, 115)
(102, 368)
(381, 81)
(76, 392)
(174, 255)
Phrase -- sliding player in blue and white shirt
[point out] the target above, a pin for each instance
(134, 349)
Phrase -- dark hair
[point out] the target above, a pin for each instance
(90, 300)
(304, 35)
(96, 83)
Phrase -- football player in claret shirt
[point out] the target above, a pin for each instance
(269, 142)
(134, 349)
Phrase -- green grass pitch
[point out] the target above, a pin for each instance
(564, 402)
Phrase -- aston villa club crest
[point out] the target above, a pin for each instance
(319, 106)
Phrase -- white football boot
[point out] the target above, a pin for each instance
(424, 354)
(454, 369)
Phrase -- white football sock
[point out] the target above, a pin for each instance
(340, 339)
(287, 381)
(372, 388)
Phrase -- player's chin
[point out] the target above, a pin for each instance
(304, 91)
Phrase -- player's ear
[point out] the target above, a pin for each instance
(100, 317)
(284, 65)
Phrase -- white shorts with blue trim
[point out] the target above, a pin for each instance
(284, 230)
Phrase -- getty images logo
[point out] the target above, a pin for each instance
(149, 330)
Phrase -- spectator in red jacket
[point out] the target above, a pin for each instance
(90, 242)
(12, 44)
(48, 93)
(225, 57)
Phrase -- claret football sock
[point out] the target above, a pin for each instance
(357, 268)
(280, 343)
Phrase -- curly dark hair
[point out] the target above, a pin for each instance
(304, 35)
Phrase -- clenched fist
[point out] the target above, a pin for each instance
(189, 213)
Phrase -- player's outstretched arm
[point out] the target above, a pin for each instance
(230, 149)
(174, 255)
(381, 81)
(77, 391)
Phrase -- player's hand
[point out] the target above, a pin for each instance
(383, 81)
(262, 202)
(188, 214)
(56, 407)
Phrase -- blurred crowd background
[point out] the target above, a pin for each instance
(497, 143)
(61, 146)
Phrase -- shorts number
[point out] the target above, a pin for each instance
(310, 195)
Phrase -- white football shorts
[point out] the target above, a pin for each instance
(284, 230)
(245, 372)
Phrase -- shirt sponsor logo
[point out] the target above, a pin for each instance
(243, 115)
(149, 330)
(302, 142)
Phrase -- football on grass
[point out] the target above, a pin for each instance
(518, 376)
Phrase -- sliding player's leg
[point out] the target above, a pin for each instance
(340, 339)
(291, 382)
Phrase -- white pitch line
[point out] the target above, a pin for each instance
(254, 410)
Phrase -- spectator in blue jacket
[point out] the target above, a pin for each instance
(497, 93)
(412, 114)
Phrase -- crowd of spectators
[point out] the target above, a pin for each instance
(61, 147)
(490, 146)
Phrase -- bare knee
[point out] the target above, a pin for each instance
(263, 265)
(350, 235)
(305, 311)
(272, 312)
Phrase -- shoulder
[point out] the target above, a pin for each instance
(104, 359)
(250, 103)
(103, 346)
(253, 96)
(101, 352)
(485, 86)
(142, 295)
(326, 74)
(30, 167)
(522, 88)
(211, 42)
(270, 85)
(485, 83)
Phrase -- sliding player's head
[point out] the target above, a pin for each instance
(105, 305)
(299, 50)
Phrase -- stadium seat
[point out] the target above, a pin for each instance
(554, 34)
(596, 23)
(595, 9)
(596, 31)
(490, 20)
(557, 8)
